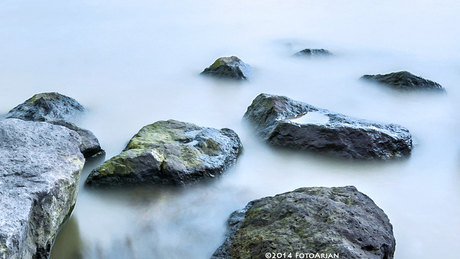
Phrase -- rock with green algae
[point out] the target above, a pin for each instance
(229, 67)
(40, 166)
(337, 221)
(61, 110)
(169, 153)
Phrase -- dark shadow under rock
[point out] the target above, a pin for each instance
(169, 153)
(404, 81)
(337, 221)
(229, 68)
(283, 122)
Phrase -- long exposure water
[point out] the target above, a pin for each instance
(131, 63)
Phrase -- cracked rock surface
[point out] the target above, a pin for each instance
(40, 167)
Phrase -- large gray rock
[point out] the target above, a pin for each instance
(283, 122)
(338, 222)
(40, 166)
(169, 153)
(61, 110)
(229, 67)
(404, 81)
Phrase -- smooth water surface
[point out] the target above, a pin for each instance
(132, 63)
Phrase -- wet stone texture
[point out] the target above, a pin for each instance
(330, 221)
(283, 122)
(170, 153)
(61, 110)
(40, 167)
(404, 81)
(229, 68)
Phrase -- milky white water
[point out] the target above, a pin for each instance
(132, 63)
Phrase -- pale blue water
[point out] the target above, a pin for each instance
(132, 63)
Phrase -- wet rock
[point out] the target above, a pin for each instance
(331, 221)
(229, 67)
(90, 145)
(47, 107)
(283, 122)
(313, 52)
(61, 110)
(40, 167)
(404, 81)
(169, 153)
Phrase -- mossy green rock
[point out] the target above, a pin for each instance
(331, 221)
(170, 153)
(47, 107)
(229, 67)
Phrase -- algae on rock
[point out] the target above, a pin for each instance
(170, 153)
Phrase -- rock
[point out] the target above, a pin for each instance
(47, 107)
(313, 52)
(90, 146)
(283, 122)
(404, 81)
(169, 153)
(61, 110)
(229, 67)
(317, 220)
(40, 167)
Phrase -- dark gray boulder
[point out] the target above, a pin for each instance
(283, 122)
(47, 107)
(40, 167)
(229, 67)
(169, 153)
(404, 81)
(61, 110)
(338, 222)
(313, 53)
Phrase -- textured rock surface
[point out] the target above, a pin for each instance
(284, 122)
(169, 153)
(90, 145)
(313, 52)
(404, 81)
(40, 166)
(46, 107)
(229, 67)
(338, 220)
(61, 110)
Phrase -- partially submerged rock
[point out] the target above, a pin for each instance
(229, 67)
(404, 81)
(284, 122)
(170, 153)
(47, 107)
(90, 145)
(313, 52)
(61, 110)
(317, 220)
(40, 166)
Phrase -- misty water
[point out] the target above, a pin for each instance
(131, 63)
